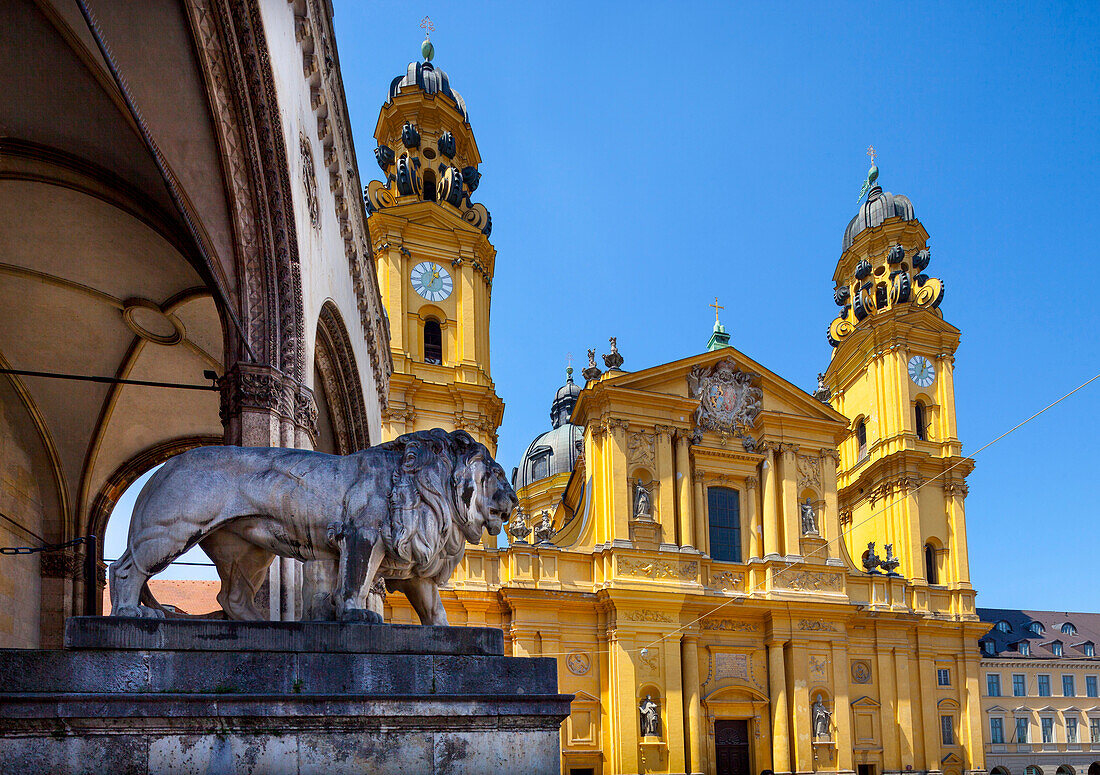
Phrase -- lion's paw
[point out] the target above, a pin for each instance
(360, 615)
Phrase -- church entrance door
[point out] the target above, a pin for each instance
(731, 742)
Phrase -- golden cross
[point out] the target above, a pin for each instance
(569, 360)
(870, 151)
(717, 307)
(427, 26)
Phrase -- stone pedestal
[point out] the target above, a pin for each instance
(157, 696)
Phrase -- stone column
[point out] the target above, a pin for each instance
(702, 518)
(683, 490)
(666, 475)
(692, 706)
(756, 532)
(792, 525)
(777, 686)
(770, 517)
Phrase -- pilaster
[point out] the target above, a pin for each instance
(777, 685)
(756, 532)
(693, 705)
(666, 475)
(792, 528)
(770, 517)
(684, 493)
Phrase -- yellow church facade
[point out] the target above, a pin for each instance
(692, 544)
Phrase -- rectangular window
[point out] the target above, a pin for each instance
(1090, 685)
(1068, 688)
(1021, 730)
(993, 685)
(1048, 730)
(996, 730)
(947, 730)
(1094, 729)
(1019, 685)
(1044, 686)
(943, 677)
(1071, 730)
(724, 512)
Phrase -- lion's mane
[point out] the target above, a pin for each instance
(421, 530)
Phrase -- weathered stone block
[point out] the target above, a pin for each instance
(342, 705)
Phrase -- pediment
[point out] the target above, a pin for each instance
(780, 397)
(866, 702)
(948, 703)
(997, 709)
(584, 697)
(431, 215)
(951, 759)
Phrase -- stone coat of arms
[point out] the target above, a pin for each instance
(729, 402)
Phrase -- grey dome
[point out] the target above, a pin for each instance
(424, 76)
(878, 207)
(564, 401)
(556, 451)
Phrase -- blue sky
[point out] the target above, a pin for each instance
(642, 158)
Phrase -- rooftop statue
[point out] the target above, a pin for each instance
(401, 511)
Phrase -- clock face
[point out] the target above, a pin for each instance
(921, 371)
(431, 281)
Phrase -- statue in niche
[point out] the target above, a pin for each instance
(650, 717)
(643, 505)
(809, 518)
(822, 717)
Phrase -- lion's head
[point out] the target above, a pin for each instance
(444, 481)
(484, 498)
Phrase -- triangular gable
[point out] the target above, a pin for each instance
(437, 218)
(583, 696)
(951, 759)
(997, 709)
(671, 378)
(866, 702)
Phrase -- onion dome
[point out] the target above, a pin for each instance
(429, 80)
(877, 208)
(556, 451)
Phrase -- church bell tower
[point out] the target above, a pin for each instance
(435, 261)
(901, 479)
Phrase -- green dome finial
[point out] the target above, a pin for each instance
(427, 50)
(872, 173)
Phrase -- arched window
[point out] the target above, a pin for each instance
(922, 421)
(861, 438)
(429, 186)
(930, 569)
(1033, 770)
(724, 514)
(1036, 628)
(1003, 626)
(433, 342)
(1069, 629)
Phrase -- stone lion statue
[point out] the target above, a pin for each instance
(400, 511)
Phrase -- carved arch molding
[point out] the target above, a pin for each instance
(233, 55)
(338, 380)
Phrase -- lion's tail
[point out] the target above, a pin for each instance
(148, 600)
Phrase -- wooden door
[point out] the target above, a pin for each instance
(731, 743)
